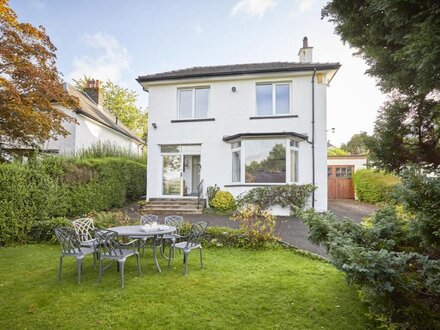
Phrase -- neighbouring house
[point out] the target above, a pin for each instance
(94, 125)
(238, 126)
(339, 171)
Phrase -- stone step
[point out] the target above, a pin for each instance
(170, 211)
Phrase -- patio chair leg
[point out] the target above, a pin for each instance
(94, 260)
(201, 258)
(59, 270)
(169, 258)
(79, 262)
(185, 260)
(100, 271)
(139, 263)
(121, 264)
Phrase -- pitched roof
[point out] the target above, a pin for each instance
(87, 107)
(237, 69)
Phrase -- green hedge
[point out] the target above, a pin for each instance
(63, 187)
(372, 186)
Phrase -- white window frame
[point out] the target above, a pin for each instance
(193, 102)
(239, 150)
(242, 150)
(289, 150)
(274, 99)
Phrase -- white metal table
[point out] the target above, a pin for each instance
(136, 231)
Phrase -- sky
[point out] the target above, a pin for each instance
(122, 39)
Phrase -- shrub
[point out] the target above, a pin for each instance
(111, 219)
(293, 196)
(398, 280)
(211, 191)
(43, 231)
(223, 201)
(257, 224)
(374, 187)
(63, 187)
(224, 237)
(109, 150)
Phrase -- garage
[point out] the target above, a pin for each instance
(340, 170)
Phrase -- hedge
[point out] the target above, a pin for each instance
(63, 187)
(373, 187)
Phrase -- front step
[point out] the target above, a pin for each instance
(173, 206)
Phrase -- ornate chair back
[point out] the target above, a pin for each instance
(196, 232)
(175, 221)
(149, 219)
(84, 228)
(68, 240)
(108, 243)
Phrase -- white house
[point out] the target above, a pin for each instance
(238, 126)
(94, 125)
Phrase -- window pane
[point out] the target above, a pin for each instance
(236, 177)
(294, 143)
(293, 166)
(169, 148)
(202, 100)
(264, 100)
(282, 99)
(265, 161)
(185, 104)
(171, 175)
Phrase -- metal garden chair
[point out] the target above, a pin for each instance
(110, 248)
(175, 221)
(71, 247)
(193, 242)
(146, 219)
(84, 229)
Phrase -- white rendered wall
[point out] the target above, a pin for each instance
(88, 132)
(231, 112)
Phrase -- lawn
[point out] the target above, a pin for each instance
(237, 289)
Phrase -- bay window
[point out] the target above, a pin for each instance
(265, 161)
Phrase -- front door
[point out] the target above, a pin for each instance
(180, 170)
(340, 184)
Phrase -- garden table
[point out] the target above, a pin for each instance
(136, 231)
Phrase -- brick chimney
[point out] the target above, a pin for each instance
(94, 91)
(305, 53)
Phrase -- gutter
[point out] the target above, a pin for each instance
(313, 135)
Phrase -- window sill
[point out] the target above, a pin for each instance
(258, 184)
(191, 120)
(274, 117)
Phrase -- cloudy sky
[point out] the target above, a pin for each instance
(122, 39)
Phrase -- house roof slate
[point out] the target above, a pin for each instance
(89, 108)
(237, 69)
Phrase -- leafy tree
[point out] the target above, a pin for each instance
(29, 83)
(357, 145)
(335, 151)
(400, 40)
(121, 102)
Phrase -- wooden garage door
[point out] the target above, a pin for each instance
(340, 184)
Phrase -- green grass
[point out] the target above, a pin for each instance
(240, 289)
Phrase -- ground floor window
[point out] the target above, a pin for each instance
(265, 161)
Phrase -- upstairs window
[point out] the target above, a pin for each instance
(193, 103)
(273, 99)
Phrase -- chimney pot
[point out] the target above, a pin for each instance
(93, 90)
(305, 53)
(305, 42)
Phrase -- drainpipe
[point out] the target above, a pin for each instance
(313, 135)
